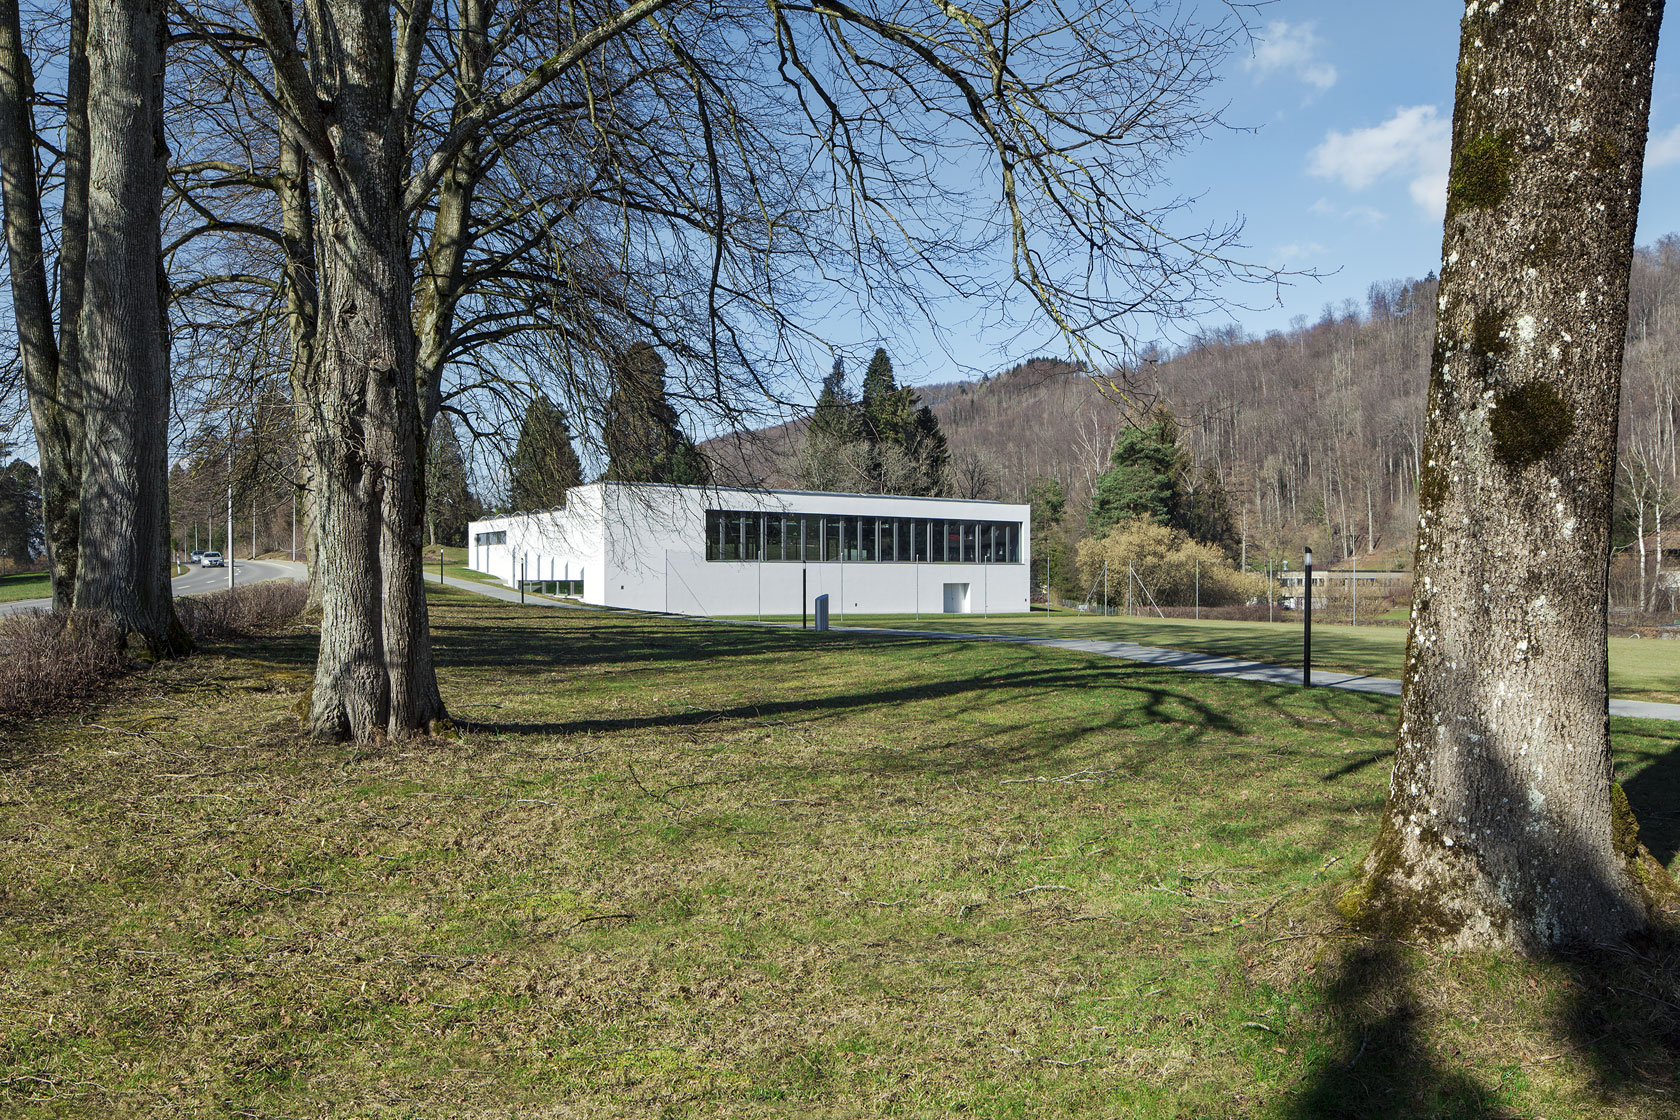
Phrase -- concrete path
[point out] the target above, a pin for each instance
(199, 581)
(1234, 668)
(1231, 667)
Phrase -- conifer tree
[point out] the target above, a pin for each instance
(644, 441)
(1145, 477)
(450, 504)
(543, 466)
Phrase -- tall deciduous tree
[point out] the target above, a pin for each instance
(1020, 90)
(1503, 826)
(122, 569)
(51, 366)
(544, 464)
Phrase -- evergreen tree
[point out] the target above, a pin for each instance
(450, 503)
(834, 415)
(885, 443)
(1052, 561)
(543, 466)
(931, 454)
(888, 412)
(22, 535)
(643, 438)
(1145, 478)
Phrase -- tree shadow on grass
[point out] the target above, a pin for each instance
(966, 735)
(1381, 1065)
(1653, 791)
(1609, 1015)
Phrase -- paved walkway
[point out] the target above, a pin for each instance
(1231, 667)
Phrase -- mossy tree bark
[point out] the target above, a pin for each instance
(50, 366)
(123, 568)
(1503, 827)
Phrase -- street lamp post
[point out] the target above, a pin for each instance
(1306, 638)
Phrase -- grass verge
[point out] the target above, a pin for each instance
(675, 868)
(19, 586)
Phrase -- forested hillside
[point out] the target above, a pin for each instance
(1315, 433)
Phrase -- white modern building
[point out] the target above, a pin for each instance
(710, 551)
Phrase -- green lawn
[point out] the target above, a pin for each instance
(1640, 669)
(25, 585)
(671, 868)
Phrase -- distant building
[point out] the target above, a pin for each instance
(709, 551)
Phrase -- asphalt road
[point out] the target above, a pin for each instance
(198, 580)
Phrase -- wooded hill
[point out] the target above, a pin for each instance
(1315, 433)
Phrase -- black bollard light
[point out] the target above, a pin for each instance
(1306, 640)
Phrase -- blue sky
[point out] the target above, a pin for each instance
(1337, 157)
(1347, 170)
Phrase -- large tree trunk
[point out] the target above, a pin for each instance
(1503, 827)
(53, 386)
(297, 227)
(374, 674)
(123, 569)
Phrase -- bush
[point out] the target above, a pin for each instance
(48, 659)
(254, 609)
(1165, 561)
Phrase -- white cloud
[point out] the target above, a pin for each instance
(1364, 215)
(1414, 142)
(1296, 250)
(1663, 150)
(1292, 49)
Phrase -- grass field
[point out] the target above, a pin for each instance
(672, 868)
(25, 585)
(1640, 669)
(454, 563)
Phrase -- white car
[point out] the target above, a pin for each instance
(212, 560)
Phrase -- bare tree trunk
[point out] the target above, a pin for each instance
(1503, 827)
(1639, 512)
(374, 675)
(297, 229)
(54, 389)
(123, 569)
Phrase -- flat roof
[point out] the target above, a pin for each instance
(815, 493)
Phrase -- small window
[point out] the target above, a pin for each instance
(919, 530)
(1012, 532)
(868, 530)
(773, 537)
(831, 539)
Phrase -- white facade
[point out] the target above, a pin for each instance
(710, 551)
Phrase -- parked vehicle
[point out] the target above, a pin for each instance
(212, 560)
